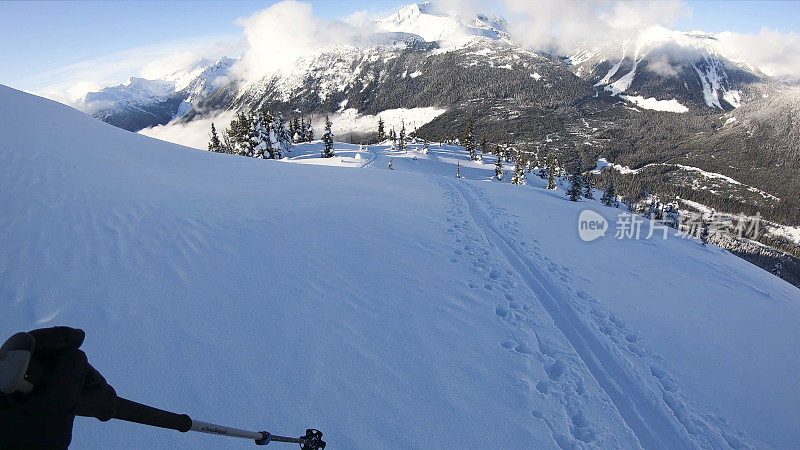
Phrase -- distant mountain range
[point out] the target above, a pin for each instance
(662, 96)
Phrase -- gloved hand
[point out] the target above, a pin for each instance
(66, 385)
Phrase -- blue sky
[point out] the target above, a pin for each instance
(40, 39)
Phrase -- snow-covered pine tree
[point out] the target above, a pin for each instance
(704, 232)
(260, 136)
(327, 140)
(551, 172)
(254, 136)
(381, 131)
(519, 172)
(303, 130)
(227, 143)
(588, 189)
(309, 132)
(469, 140)
(458, 169)
(243, 135)
(425, 147)
(672, 216)
(238, 132)
(401, 139)
(498, 169)
(270, 139)
(575, 180)
(776, 270)
(284, 138)
(609, 197)
(390, 163)
(266, 134)
(543, 162)
(214, 144)
(295, 127)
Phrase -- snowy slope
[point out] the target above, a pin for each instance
(402, 309)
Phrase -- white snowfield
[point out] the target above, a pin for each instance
(390, 309)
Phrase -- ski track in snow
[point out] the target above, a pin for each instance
(643, 393)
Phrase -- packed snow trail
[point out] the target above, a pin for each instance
(642, 411)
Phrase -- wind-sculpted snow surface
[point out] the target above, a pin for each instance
(390, 309)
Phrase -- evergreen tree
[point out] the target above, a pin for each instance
(309, 132)
(227, 143)
(390, 163)
(260, 137)
(543, 162)
(498, 169)
(469, 140)
(519, 172)
(327, 140)
(704, 233)
(381, 132)
(609, 196)
(303, 130)
(777, 269)
(239, 133)
(551, 173)
(425, 147)
(458, 169)
(402, 139)
(576, 181)
(284, 138)
(588, 191)
(295, 128)
(266, 140)
(214, 144)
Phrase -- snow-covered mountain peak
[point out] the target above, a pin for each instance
(134, 90)
(423, 20)
(204, 67)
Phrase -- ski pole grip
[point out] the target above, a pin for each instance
(131, 411)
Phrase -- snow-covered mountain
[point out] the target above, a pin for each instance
(676, 70)
(396, 309)
(141, 103)
(422, 20)
(658, 69)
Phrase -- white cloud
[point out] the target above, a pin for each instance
(661, 65)
(277, 37)
(193, 134)
(774, 53)
(70, 83)
(281, 34)
(559, 26)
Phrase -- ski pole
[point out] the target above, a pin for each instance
(21, 370)
(131, 411)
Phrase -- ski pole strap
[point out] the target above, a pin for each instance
(131, 411)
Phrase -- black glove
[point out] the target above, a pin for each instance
(65, 384)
